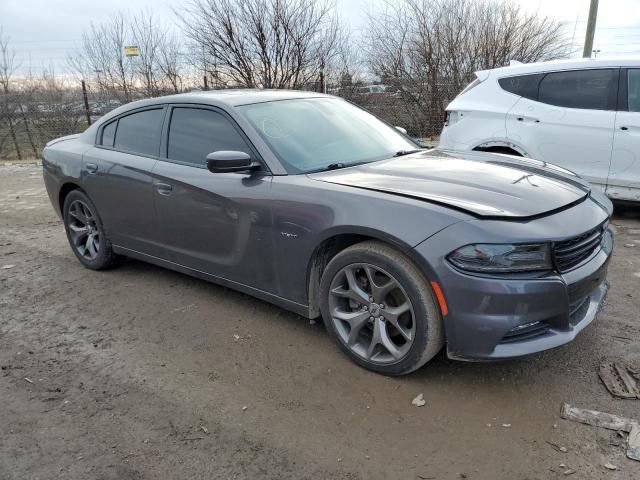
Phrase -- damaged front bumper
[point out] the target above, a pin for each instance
(521, 320)
(499, 317)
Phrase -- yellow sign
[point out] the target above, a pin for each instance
(132, 51)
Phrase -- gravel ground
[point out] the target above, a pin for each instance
(141, 372)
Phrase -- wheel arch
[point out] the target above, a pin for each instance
(334, 242)
(503, 147)
(65, 190)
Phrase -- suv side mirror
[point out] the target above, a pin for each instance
(402, 130)
(230, 161)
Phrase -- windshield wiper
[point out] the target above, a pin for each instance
(401, 153)
(335, 166)
(338, 166)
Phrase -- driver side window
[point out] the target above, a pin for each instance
(196, 132)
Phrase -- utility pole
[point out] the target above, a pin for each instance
(86, 102)
(321, 84)
(591, 29)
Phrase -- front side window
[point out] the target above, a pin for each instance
(195, 132)
(140, 132)
(586, 89)
(310, 134)
(633, 89)
(523, 85)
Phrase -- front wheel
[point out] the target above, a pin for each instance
(380, 309)
(85, 232)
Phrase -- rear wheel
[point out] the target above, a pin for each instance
(380, 309)
(85, 232)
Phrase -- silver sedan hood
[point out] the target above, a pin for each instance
(481, 184)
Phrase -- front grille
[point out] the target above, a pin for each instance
(525, 332)
(569, 253)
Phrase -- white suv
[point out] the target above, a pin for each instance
(583, 115)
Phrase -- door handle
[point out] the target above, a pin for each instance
(624, 128)
(164, 188)
(91, 168)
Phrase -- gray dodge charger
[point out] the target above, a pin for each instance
(317, 206)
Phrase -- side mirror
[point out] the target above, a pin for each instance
(229, 161)
(401, 130)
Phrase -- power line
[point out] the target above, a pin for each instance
(46, 49)
(44, 41)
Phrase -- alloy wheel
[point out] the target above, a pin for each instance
(372, 313)
(83, 230)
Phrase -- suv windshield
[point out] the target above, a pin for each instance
(312, 134)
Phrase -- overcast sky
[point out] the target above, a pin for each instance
(45, 32)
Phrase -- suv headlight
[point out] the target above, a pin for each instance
(498, 258)
(607, 240)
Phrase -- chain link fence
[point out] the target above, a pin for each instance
(30, 116)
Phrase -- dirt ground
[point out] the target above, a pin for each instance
(141, 372)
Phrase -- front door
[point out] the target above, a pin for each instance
(624, 175)
(570, 123)
(217, 223)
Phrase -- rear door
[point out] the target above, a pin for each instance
(117, 177)
(624, 175)
(570, 121)
(218, 223)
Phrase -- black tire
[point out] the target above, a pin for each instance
(428, 337)
(104, 257)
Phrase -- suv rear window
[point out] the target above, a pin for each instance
(586, 89)
(633, 89)
(523, 85)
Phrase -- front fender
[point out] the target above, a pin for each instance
(308, 212)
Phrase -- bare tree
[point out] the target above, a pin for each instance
(102, 59)
(429, 49)
(170, 63)
(262, 43)
(148, 37)
(7, 69)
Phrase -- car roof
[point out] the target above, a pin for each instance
(554, 65)
(230, 97)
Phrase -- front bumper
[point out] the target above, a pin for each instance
(496, 318)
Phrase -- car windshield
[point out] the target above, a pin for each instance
(314, 134)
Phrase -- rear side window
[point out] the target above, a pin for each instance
(140, 132)
(633, 89)
(586, 89)
(523, 85)
(108, 134)
(194, 133)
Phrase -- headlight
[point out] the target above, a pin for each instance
(492, 258)
(607, 240)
